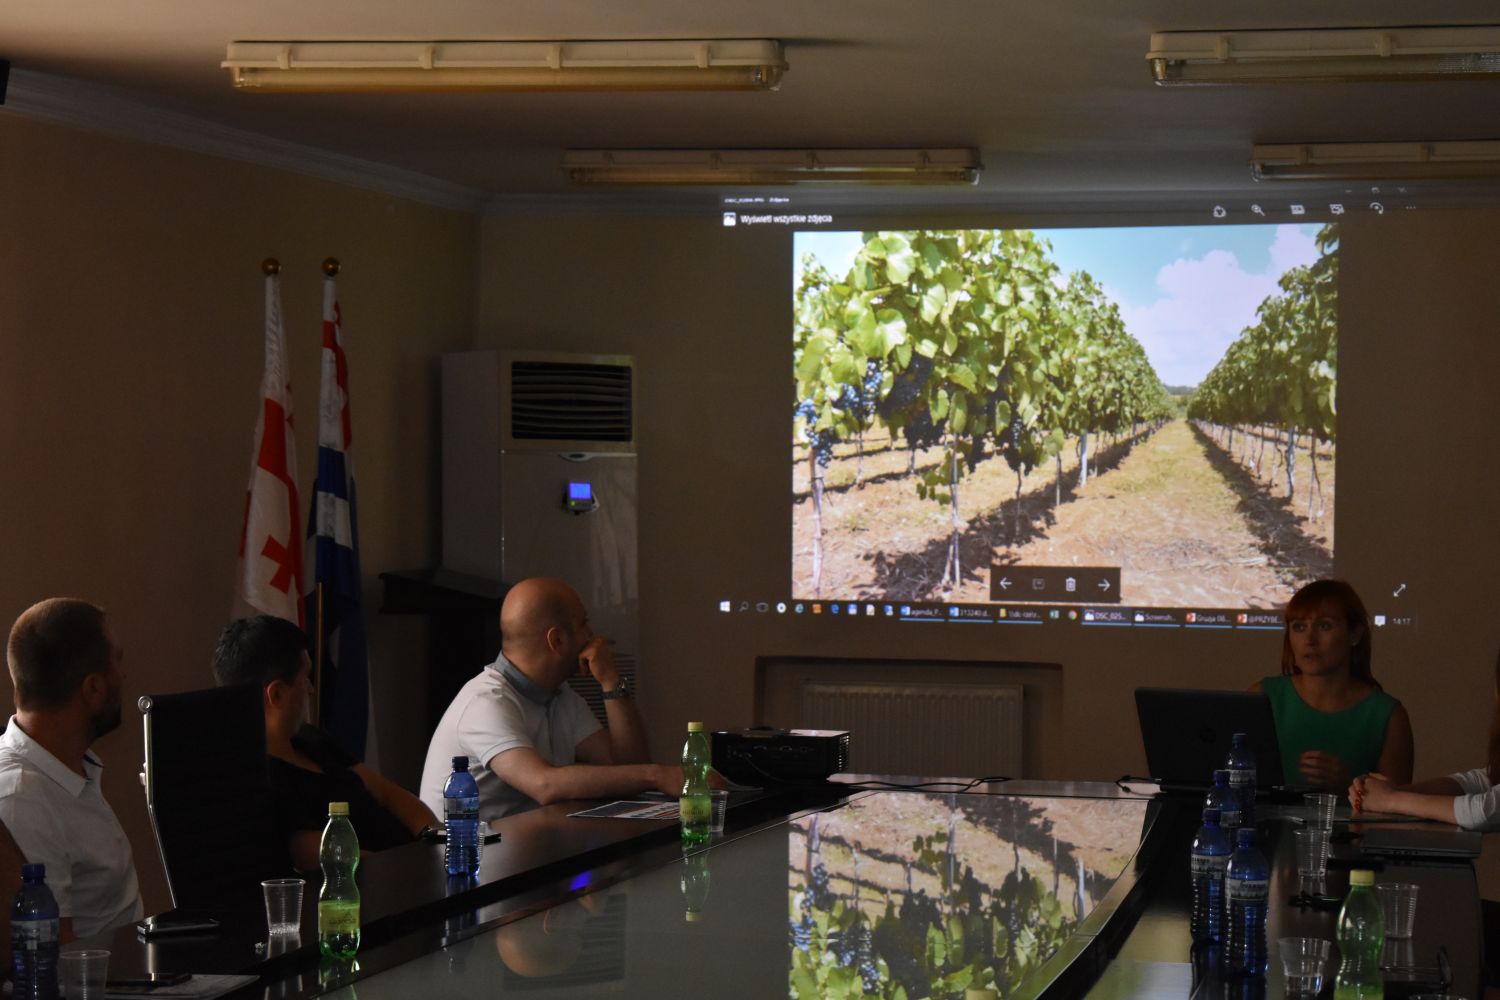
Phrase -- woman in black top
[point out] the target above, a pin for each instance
(307, 768)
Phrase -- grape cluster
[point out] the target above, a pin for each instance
(857, 950)
(802, 927)
(1020, 448)
(819, 895)
(921, 432)
(906, 387)
(902, 940)
(821, 442)
(862, 400)
(819, 892)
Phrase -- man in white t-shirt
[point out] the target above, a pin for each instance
(530, 739)
(68, 678)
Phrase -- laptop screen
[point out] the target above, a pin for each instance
(1187, 732)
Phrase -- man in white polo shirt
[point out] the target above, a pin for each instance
(530, 739)
(68, 677)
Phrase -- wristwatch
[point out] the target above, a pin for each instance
(623, 691)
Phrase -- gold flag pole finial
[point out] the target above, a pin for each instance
(331, 266)
(271, 266)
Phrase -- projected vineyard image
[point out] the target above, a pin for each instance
(1160, 401)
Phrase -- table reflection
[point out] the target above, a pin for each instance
(891, 894)
(918, 895)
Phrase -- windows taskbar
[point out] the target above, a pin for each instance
(1106, 616)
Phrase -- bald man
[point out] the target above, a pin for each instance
(530, 739)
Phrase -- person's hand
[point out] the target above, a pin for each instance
(1357, 794)
(1323, 770)
(669, 780)
(598, 660)
(1377, 794)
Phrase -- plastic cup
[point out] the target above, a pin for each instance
(283, 906)
(82, 973)
(1312, 885)
(1398, 953)
(720, 799)
(1312, 852)
(1303, 960)
(1320, 809)
(1399, 901)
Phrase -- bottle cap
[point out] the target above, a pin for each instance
(1246, 836)
(1221, 777)
(338, 808)
(695, 727)
(1361, 876)
(1239, 739)
(33, 872)
(1211, 816)
(691, 916)
(460, 763)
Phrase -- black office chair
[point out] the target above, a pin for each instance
(11, 860)
(208, 793)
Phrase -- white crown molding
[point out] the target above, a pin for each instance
(99, 108)
(593, 203)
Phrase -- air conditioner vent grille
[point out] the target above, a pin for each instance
(570, 401)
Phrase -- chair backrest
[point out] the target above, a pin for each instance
(208, 793)
(11, 860)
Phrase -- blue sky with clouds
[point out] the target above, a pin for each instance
(1185, 292)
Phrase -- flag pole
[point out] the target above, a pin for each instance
(317, 698)
(330, 268)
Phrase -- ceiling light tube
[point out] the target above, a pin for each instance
(1208, 58)
(1364, 161)
(771, 166)
(719, 64)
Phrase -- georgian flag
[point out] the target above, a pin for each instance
(333, 534)
(269, 576)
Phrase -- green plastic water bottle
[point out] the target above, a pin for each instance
(1361, 935)
(695, 806)
(695, 881)
(338, 902)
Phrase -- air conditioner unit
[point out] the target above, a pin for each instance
(539, 476)
(579, 405)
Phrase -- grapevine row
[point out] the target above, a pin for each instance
(974, 341)
(1281, 372)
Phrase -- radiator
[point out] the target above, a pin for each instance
(967, 730)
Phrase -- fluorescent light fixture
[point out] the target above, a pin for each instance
(1202, 58)
(1362, 161)
(771, 166)
(721, 64)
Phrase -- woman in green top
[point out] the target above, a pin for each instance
(1333, 720)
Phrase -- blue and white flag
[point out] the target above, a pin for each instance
(333, 549)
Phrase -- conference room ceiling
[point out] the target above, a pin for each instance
(1056, 96)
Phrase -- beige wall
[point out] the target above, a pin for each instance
(131, 326)
(706, 311)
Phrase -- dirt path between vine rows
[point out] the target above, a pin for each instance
(1186, 528)
(1188, 525)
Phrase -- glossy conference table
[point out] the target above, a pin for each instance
(1022, 889)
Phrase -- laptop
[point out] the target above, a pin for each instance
(1186, 733)
(1406, 843)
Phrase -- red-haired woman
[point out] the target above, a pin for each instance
(1333, 720)
(1470, 799)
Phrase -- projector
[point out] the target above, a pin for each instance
(762, 755)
